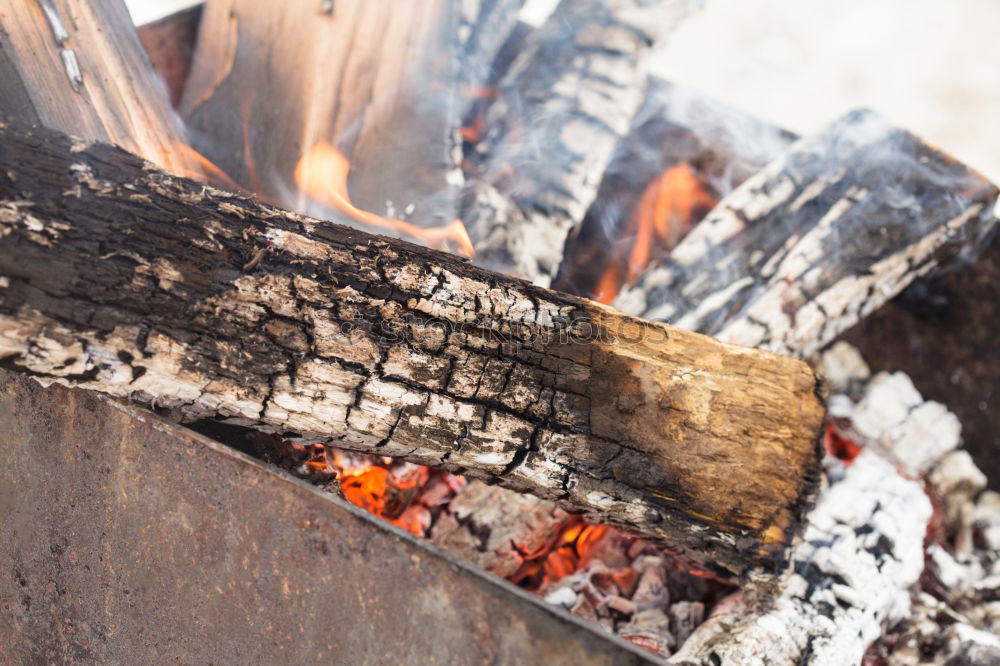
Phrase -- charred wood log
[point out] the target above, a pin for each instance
(122, 278)
(79, 67)
(564, 104)
(820, 238)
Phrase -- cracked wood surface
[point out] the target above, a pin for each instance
(818, 239)
(563, 105)
(118, 277)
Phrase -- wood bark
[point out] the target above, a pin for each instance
(79, 67)
(565, 102)
(819, 239)
(676, 127)
(121, 278)
(376, 80)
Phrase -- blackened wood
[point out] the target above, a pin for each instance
(676, 127)
(80, 68)
(819, 239)
(565, 102)
(942, 332)
(121, 278)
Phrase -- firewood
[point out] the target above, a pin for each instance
(565, 102)
(373, 79)
(820, 238)
(78, 66)
(122, 278)
(676, 130)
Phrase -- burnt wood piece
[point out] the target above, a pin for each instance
(676, 127)
(170, 43)
(565, 102)
(375, 80)
(125, 279)
(942, 332)
(78, 67)
(819, 239)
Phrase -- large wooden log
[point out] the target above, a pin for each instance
(819, 239)
(78, 67)
(122, 278)
(564, 103)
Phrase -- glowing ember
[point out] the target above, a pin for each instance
(401, 493)
(840, 447)
(322, 174)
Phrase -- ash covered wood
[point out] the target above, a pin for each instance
(122, 278)
(820, 238)
(566, 100)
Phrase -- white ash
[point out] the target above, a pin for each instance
(843, 368)
(862, 550)
(895, 420)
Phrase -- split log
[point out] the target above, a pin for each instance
(78, 67)
(121, 278)
(819, 239)
(375, 80)
(564, 104)
(682, 152)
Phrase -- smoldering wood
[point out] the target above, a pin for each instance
(565, 102)
(819, 239)
(79, 67)
(937, 331)
(373, 79)
(675, 127)
(122, 278)
(861, 552)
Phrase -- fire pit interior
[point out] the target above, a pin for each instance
(475, 270)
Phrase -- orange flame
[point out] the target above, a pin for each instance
(185, 161)
(664, 215)
(322, 175)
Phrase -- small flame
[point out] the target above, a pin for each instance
(322, 175)
(183, 160)
(667, 209)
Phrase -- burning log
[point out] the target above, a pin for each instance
(122, 278)
(682, 152)
(820, 238)
(79, 67)
(565, 102)
(372, 81)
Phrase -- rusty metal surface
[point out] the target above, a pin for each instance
(127, 540)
